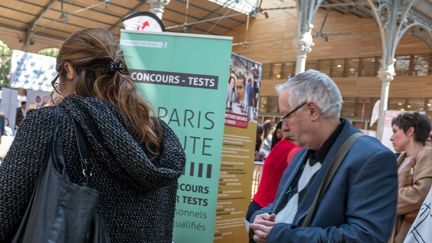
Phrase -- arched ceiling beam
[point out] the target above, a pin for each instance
(394, 19)
(134, 9)
(30, 31)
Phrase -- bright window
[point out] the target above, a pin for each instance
(243, 6)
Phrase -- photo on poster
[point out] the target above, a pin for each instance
(243, 90)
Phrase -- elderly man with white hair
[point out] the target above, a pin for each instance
(342, 187)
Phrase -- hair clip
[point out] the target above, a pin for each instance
(116, 66)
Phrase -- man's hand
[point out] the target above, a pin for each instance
(261, 226)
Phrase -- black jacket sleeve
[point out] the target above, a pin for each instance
(20, 168)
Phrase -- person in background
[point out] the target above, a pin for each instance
(277, 135)
(267, 138)
(258, 142)
(20, 114)
(2, 129)
(359, 204)
(7, 130)
(137, 158)
(410, 132)
(250, 97)
(255, 75)
(274, 166)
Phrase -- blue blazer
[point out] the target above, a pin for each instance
(359, 204)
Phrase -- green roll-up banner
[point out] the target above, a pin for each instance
(184, 77)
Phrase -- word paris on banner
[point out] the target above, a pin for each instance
(184, 78)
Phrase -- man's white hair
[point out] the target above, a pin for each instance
(315, 86)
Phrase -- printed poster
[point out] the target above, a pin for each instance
(32, 71)
(9, 105)
(184, 77)
(238, 151)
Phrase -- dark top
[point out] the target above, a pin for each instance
(321, 153)
(19, 117)
(137, 194)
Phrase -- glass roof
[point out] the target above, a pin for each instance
(243, 6)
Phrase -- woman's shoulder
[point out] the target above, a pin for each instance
(425, 152)
(41, 113)
(86, 101)
(38, 124)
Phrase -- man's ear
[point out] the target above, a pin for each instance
(70, 71)
(314, 111)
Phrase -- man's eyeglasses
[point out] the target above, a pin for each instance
(287, 115)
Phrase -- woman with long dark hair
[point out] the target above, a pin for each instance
(137, 158)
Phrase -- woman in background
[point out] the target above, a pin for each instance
(410, 132)
(274, 166)
(267, 138)
(277, 135)
(7, 130)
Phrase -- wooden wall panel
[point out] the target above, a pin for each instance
(271, 39)
(401, 87)
(411, 87)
